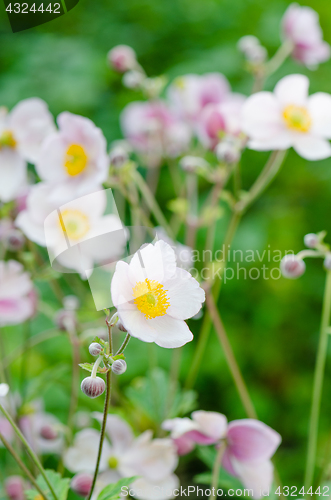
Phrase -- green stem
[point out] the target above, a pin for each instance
(106, 409)
(30, 451)
(318, 384)
(192, 217)
(22, 466)
(216, 469)
(124, 345)
(151, 202)
(279, 58)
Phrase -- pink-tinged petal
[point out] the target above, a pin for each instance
(15, 311)
(292, 89)
(154, 262)
(200, 438)
(119, 431)
(185, 295)
(255, 476)
(261, 117)
(179, 426)
(6, 429)
(155, 490)
(227, 464)
(35, 232)
(312, 148)
(13, 174)
(211, 423)
(251, 439)
(319, 107)
(184, 445)
(170, 332)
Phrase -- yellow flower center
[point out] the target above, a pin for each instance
(7, 140)
(74, 223)
(38, 497)
(297, 118)
(151, 298)
(180, 82)
(113, 462)
(75, 160)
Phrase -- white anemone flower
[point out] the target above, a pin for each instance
(153, 297)
(123, 455)
(289, 118)
(74, 158)
(22, 132)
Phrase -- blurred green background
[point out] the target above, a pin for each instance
(273, 325)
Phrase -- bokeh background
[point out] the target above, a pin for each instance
(273, 325)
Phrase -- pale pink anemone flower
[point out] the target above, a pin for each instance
(17, 295)
(250, 444)
(190, 94)
(15, 486)
(301, 28)
(154, 131)
(288, 117)
(122, 58)
(153, 297)
(42, 430)
(74, 158)
(218, 120)
(22, 132)
(123, 455)
(83, 220)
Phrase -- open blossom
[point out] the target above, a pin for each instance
(153, 297)
(123, 455)
(17, 296)
(190, 94)
(42, 430)
(250, 444)
(216, 120)
(154, 131)
(72, 238)
(288, 117)
(300, 26)
(74, 158)
(22, 132)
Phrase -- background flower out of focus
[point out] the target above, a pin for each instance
(272, 324)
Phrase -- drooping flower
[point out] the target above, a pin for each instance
(300, 27)
(153, 297)
(190, 94)
(17, 296)
(123, 455)
(289, 118)
(249, 445)
(22, 132)
(74, 158)
(154, 131)
(71, 237)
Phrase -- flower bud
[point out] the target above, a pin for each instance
(311, 240)
(93, 386)
(247, 43)
(81, 483)
(292, 267)
(71, 303)
(119, 366)
(118, 156)
(228, 151)
(191, 164)
(14, 487)
(327, 262)
(95, 349)
(64, 319)
(133, 79)
(120, 326)
(48, 432)
(122, 58)
(14, 240)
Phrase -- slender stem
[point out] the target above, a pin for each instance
(71, 329)
(124, 345)
(192, 217)
(151, 202)
(30, 451)
(3, 375)
(216, 469)
(96, 366)
(318, 384)
(106, 409)
(22, 465)
(173, 380)
(279, 57)
(230, 358)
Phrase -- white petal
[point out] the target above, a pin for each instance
(33, 231)
(319, 107)
(292, 89)
(211, 423)
(118, 430)
(121, 287)
(256, 476)
(136, 324)
(170, 332)
(312, 148)
(160, 490)
(261, 116)
(282, 140)
(185, 295)
(50, 164)
(82, 456)
(179, 426)
(154, 262)
(13, 174)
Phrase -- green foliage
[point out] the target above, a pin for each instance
(60, 486)
(208, 455)
(113, 491)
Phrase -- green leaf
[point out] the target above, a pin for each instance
(113, 491)
(208, 455)
(89, 368)
(60, 486)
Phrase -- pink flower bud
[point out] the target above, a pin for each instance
(122, 58)
(65, 318)
(82, 483)
(119, 366)
(292, 267)
(120, 326)
(311, 240)
(95, 349)
(93, 386)
(48, 432)
(14, 487)
(228, 151)
(14, 240)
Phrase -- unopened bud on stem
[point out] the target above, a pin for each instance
(95, 349)
(93, 387)
(119, 366)
(292, 267)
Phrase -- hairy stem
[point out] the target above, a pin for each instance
(124, 345)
